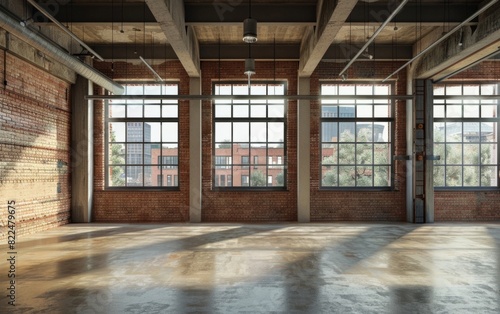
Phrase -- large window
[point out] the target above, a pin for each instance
(466, 135)
(356, 132)
(142, 139)
(249, 136)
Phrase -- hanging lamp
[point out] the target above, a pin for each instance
(250, 27)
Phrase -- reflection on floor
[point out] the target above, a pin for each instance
(279, 268)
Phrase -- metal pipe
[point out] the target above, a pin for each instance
(459, 26)
(247, 97)
(12, 26)
(64, 28)
(157, 76)
(372, 38)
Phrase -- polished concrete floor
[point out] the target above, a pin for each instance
(278, 268)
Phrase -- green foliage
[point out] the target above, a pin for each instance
(462, 168)
(257, 178)
(116, 156)
(280, 179)
(356, 162)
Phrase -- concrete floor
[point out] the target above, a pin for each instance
(280, 268)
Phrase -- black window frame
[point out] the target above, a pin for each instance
(441, 162)
(250, 166)
(340, 118)
(144, 120)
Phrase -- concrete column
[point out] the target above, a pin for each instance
(303, 153)
(429, 152)
(82, 151)
(195, 112)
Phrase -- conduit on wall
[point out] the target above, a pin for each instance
(14, 27)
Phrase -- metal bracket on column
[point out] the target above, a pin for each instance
(433, 157)
(401, 157)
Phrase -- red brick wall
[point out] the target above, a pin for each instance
(34, 139)
(142, 206)
(330, 205)
(470, 206)
(245, 206)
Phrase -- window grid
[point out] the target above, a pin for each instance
(247, 130)
(142, 138)
(356, 147)
(469, 126)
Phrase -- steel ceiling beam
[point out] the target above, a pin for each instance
(239, 52)
(224, 13)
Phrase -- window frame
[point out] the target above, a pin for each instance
(249, 119)
(463, 120)
(391, 120)
(144, 120)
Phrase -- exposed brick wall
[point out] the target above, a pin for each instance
(330, 205)
(142, 206)
(470, 205)
(245, 206)
(34, 147)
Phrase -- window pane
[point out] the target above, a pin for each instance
(258, 176)
(116, 154)
(135, 132)
(471, 154)
(134, 154)
(471, 175)
(329, 154)
(382, 175)
(134, 176)
(329, 176)
(364, 154)
(117, 132)
(489, 176)
(169, 111)
(453, 131)
(134, 111)
(152, 111)
(488, 111)
(223, 132)
(259, 132)
(382, 111)
(116, 176)
(347, 176)
(329, 131)
(454, 154)
(364, 111)
(471, 111)
(346, 154)
(169, 132)
(276, 111)
(439, 179)
(240, 111)
(153, 128)
(382, 154)
(364, 175)
(454, 176)
(258, 111)
(346, 130)
(276, 132)
(364, 132)
(438, 111)
(116, 111)
(241, 132)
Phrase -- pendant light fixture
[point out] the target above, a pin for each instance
(250, 27)
(249, 65)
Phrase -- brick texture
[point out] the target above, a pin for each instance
(246, 206)
(34, 147)
(142, 206)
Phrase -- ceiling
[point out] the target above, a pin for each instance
(284, 27)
